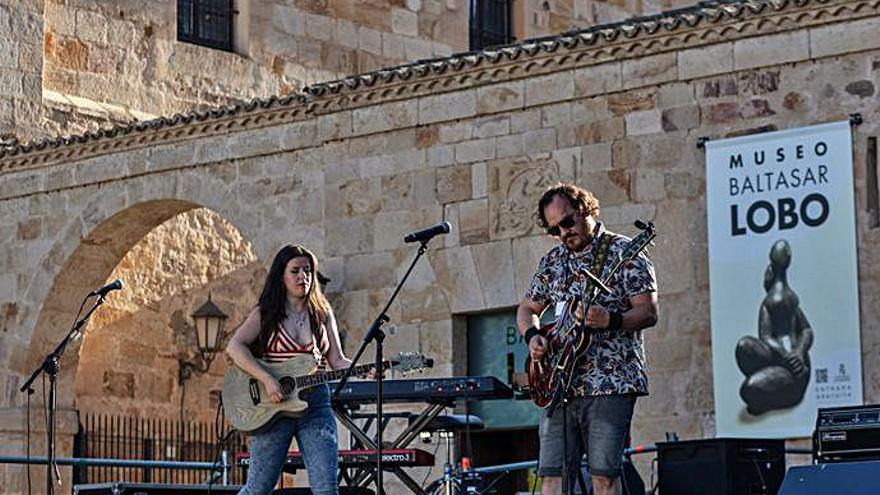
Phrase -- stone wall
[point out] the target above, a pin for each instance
(534, 18)
(351, 171)
(21, 65)
(106, 63)
(127, 55)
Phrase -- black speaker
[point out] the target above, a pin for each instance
(721, 466)
(840, 478)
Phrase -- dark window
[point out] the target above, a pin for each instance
(490, 23)
(205, 22)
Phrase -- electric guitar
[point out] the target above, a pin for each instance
(247, 403)
(550, 378)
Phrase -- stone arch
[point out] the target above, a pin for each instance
(65, 272)
(87, 266)
(128, 360)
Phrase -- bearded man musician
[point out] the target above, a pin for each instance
(612, 373)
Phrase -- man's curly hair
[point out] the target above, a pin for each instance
(579, 198)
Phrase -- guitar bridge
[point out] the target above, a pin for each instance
(254, 389)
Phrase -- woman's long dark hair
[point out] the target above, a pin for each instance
(273, 300)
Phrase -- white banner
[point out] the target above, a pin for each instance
(782, 279)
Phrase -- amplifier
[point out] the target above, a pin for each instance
(847, 434)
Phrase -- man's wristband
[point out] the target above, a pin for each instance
(615, 320)
(530, 334)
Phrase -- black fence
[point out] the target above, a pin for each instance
(126, 437)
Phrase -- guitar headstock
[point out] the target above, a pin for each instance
(410, 361)
(641, 241)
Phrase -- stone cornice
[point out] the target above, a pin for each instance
(705, 24)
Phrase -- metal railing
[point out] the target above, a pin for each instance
(125, 439)
(222, 474)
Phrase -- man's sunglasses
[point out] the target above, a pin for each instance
(566, 223)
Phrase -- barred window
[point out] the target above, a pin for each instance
(490, 23)
(205, 22)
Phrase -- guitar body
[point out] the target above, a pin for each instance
(557, 364)
(246, 402)
(249, 408)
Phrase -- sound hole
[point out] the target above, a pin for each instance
(287, 384)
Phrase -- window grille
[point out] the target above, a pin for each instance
(490, 23)
(205, 22)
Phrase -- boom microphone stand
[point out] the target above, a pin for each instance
(375, 333)
(51, 366)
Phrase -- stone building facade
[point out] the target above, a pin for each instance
(350, 166)
(110, 62)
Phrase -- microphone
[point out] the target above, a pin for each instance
(114, 285)
(427, 234)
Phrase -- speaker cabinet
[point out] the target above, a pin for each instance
(840, 478)
(721, 466)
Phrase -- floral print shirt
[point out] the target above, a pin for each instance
(614, 363)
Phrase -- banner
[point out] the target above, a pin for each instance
(782, 278)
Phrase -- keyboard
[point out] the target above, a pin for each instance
(426, 390)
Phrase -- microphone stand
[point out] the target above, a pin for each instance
(51, 366)
(376, 333)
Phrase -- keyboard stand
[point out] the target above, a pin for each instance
(365, 475)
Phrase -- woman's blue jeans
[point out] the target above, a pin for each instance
(315, 434)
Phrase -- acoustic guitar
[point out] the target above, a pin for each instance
(247, 403)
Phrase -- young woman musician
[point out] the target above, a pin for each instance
(292, 317)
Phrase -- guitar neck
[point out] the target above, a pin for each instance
(328, 376)
(616, 266)
(613, 271)
(621, 260)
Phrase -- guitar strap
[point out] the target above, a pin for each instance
(600, 256)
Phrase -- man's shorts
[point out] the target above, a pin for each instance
(597, 425)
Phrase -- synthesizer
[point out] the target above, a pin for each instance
(426, 390)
